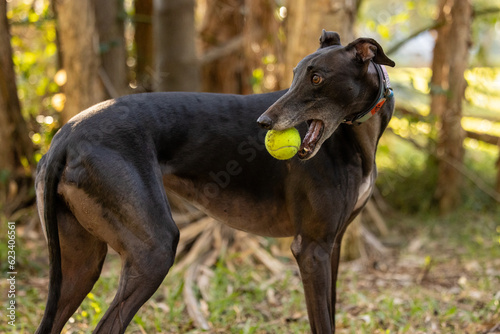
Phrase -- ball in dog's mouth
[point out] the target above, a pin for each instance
(312, 137)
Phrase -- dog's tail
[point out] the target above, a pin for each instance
(54, 164)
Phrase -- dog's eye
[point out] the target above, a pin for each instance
(316, 79)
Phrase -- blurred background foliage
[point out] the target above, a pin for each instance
(250, 47)
(245, 46)
(405, 28)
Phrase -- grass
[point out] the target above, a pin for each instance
(445, 279)
(442, 277)
(237, 302)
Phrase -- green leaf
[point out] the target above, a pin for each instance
(383, 31)
(33, 17)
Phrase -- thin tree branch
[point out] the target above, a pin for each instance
(485, 11)
(484, 137)
(398, 45)
(413, 112)
(478, 182)
(107, 83)
(192, 304)
(222, 50)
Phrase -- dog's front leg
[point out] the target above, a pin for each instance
(314, 258)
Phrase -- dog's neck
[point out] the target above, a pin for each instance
(367, 135)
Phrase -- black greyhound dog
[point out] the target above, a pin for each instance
(103, 180)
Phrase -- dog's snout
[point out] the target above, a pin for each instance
(265, 122)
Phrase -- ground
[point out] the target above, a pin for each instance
(441, 275)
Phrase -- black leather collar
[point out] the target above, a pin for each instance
(384, 93)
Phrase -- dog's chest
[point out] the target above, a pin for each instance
(365, 191)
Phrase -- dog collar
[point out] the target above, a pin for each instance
(384, 93)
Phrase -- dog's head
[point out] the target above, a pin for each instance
(328, 86)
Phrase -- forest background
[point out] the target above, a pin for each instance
(423, 258)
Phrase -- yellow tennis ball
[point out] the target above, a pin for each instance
(284, 144)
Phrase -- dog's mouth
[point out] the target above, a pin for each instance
(313, 135)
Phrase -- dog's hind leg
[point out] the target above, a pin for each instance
(82, 256)
(126, 206)
(145, 263)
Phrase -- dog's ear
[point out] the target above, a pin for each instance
(368, 49)
(328, 38)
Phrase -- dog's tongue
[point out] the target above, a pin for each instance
(311, 138)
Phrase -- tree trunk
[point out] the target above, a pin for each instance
(16, 148)
(264, 52)
(439, 84)
(144, 44)
(80, 55)
(111, 30)
(222, 47)
(448, 87)
(305, 21)
(176, 64)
